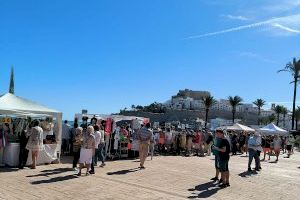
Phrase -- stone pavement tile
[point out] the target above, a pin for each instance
(165, 178)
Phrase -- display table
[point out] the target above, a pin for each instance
(46, 156)
(11, 154)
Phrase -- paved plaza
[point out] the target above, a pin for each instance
(165, 178)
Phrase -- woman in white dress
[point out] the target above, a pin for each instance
(35, 141)
(87, 150)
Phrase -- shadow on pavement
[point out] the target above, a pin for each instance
(55, 180)
(206, 190)
(8, 169)
(123, 172)
(51, 172)
(273, 162)
(248, 174)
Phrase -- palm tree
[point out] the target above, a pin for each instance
(297, 116)
(271, 118)
(294, 69)
(234, 102)
(133, 107)
(208, 102)
(278, 111)
(284, 112)
(259, 103)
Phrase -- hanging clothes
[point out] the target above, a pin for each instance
(117, 138)
(3, 137)
(108, 126)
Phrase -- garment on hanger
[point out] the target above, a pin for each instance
(117, 138)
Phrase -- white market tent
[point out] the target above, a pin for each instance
(239, 127)
(12, 105)
(272, 129)
(116, 118)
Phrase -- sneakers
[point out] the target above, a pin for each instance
(249, 170)
(214, 179)
(91, 172)
(142, 167)
(75, 169)
(224, 185)
(102, 165)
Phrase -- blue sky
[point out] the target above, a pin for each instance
(104, 55)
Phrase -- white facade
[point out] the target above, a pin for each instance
(222, 105)
(266, 113)
(179, 103)
(197, 105)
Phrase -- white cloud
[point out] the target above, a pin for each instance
(282, 23)
(255, 56)
(282, 5)
(285, 28)
(236, 17)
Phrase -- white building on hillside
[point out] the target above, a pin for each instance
(197, 105)
(222, 105)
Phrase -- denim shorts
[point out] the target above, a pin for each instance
(223, 165)
(217, 159)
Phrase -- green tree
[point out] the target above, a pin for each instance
(208, 102)
(271, 118)
(294, 69)
(259, 103)
(278, 111)
(297, 116)
(133, 107)
(139, 107)
(234, 102)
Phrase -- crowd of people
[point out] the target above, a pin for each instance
(87, 144)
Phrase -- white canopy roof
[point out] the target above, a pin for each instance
(10, 104)
(116, 118)
(272, 129)
(239, 127)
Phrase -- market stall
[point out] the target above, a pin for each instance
(272, 129)
(239, 127)
(19, 110)
(117, 143)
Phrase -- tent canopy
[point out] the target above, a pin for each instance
(272, 129)
(12, 105)
(239, 127)
(116, 118)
